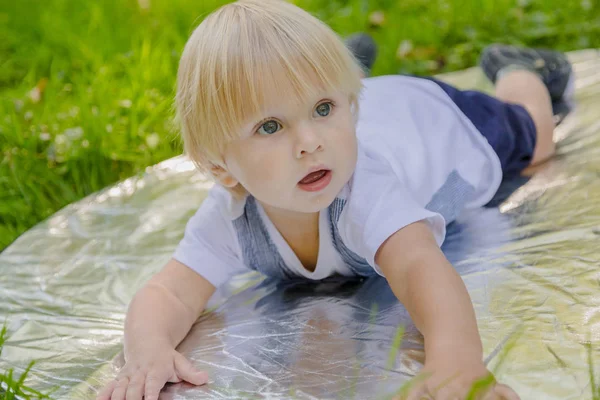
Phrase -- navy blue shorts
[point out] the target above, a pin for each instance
(508, 127)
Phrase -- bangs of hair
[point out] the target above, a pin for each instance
(249, 55)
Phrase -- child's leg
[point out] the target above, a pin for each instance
(527, 89)
(537, 80)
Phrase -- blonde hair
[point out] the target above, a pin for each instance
(239, 54)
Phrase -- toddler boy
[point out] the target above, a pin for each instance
(320, 173)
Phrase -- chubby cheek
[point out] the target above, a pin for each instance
(350, 151)
(257, 169)
(344, 142)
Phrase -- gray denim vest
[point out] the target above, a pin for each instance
(261, 254)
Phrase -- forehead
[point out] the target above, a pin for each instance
(281, 97)
(270, 84)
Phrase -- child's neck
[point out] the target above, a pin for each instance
(291, 217)
(300, 231)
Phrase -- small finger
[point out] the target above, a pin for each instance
(107, 391)
(154, 384)
(506, 393)
(135, 389)
(448, 393)
(186, 371)
(120, 389)
(416, 392)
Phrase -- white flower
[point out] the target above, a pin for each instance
(152, 140)
(18, 105)
(74, 133)
(35, 95)
(377, 18)
(406, 46)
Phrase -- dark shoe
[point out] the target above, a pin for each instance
(553, 67)
(364, 49)
(561, 108)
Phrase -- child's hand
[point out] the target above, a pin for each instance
(146, 375)
(453, 381)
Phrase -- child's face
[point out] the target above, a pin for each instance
(297, 157)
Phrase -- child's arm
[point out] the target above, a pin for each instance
(437, 300)
(159, 317)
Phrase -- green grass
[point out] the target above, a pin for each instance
(86, 87)
(105, 70)
(11, 387)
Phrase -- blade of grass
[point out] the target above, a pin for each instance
(396, 343)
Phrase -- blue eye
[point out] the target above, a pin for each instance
(323, 109)
(268, 128)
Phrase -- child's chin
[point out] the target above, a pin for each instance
(318, 204)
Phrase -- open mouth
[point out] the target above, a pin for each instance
(315, 181)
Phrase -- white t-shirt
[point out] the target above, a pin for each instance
(419, 158)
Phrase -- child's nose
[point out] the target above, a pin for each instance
(308, 141)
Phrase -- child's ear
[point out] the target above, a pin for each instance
(223, 176)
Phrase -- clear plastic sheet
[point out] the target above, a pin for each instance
(532, 266)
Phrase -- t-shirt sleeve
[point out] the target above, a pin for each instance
(380, 204)
(209, 245)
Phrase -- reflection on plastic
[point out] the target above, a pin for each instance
(531, 263)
